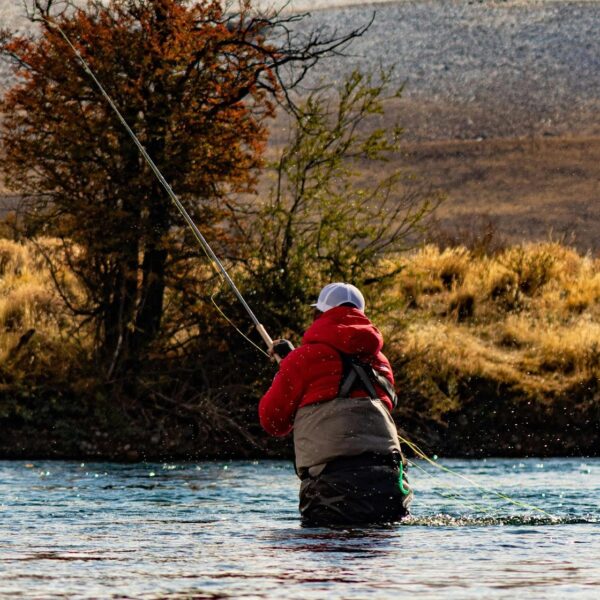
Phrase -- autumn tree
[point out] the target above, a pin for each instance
(197, 82)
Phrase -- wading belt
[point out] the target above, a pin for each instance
(357, 373)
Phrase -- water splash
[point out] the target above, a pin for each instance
(446, 520)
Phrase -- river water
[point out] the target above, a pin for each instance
(230, 529)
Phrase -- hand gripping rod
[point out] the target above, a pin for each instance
(197, 234)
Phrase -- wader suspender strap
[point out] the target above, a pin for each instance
(367, 375)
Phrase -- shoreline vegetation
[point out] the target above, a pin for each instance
(496, 351)
(117, 339)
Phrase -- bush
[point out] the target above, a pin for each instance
(532, 265)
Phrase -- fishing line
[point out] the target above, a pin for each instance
(220, 311)
(492, 491)
(212, 299)
(452, 495)
(196, 232)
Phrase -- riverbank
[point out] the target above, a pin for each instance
(491, 328)
(496, 351)
(499, 353)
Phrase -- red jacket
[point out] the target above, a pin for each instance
(312, 372)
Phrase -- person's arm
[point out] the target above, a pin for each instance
(277, 408)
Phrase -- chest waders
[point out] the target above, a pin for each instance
(362, 478)
(355, 372)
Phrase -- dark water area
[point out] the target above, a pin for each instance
(230, 529)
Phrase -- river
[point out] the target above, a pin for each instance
(230, 529)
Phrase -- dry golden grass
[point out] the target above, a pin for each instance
(527, 318)
(34, 325)
(551, 347)
(443, 353)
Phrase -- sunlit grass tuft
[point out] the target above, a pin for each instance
(527, 317)
(13, 258)
(36, 330)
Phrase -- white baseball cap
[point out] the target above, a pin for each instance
(335, 294)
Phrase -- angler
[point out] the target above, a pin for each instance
(335, 393)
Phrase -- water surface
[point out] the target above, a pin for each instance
(230, 529)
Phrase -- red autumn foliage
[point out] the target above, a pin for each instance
(195, 84)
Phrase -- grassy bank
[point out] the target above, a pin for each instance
(502, 351)
(495, 354)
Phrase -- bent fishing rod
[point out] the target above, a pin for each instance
(197, 234)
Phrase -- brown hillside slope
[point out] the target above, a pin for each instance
(530, 188)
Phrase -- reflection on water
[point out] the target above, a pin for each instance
(220, 530)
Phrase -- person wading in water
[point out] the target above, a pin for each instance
(336, 392)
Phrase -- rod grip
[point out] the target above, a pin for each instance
(267, 339)
(264, 335)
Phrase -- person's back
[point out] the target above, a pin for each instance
(335, 392)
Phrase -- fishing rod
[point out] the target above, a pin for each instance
(197, 233)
